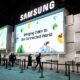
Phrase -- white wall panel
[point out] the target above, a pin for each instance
(77, 22)
(70, 34)
(77, 46)
(77, 37)
(69, 20)
(70, 47)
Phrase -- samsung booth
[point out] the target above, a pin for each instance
(46, 30)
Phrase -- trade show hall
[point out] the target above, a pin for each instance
(40, 40)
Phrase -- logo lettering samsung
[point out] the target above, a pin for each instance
(37, 11)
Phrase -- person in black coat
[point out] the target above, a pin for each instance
(38, 60)
(29, 60)
(0, 58)
(12, 59)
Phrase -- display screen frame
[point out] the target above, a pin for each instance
(6, 45)
(42, 16)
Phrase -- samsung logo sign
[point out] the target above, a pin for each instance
(36, 11)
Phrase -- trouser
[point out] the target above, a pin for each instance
(13, 63)
(39, 66)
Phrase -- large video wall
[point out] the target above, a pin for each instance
(43, 34)
(3, 37)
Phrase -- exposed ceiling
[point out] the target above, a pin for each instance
(11, 9)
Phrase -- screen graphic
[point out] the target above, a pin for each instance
(43, 34)
(3, 38)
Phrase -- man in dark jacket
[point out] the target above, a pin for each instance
(12, 59)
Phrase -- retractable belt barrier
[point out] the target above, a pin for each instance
(22, 64)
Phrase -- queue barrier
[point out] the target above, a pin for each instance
(67, 66)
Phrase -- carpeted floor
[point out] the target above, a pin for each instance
(29, 74)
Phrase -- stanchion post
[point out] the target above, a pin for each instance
(77, 68)
(42, 71)
(51, 65)
(57, 67)
(21, 67)
(0, 60)
(4, 62)
(6, 66)
(20, 63)
(24, 64)
(73, 66)
(68, 71)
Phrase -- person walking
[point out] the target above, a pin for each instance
(38, 60)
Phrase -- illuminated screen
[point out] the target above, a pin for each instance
(43, 34)
(3, 38)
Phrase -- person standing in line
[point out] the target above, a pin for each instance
(29, 61)
(12, 59)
